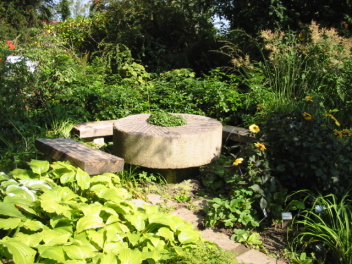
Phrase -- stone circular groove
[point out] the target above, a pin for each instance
(194, 144)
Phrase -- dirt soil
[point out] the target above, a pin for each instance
(183, 198)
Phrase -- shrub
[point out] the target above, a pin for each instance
(306, 152)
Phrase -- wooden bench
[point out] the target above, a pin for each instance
(96, 131)
(91, 160)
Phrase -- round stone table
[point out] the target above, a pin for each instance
(192, 145)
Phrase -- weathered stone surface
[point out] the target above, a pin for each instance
(95, 129)
(91, 160)
(238, 134)
(191, 145)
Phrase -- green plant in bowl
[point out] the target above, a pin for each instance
(165, 119)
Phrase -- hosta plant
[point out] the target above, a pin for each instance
(56, 213)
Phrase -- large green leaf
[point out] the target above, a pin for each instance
(108, 258)
(39, 166)
(68, 177)
(110, 193)
(52, 252)
(89, 222)
(21, 203)
(56, 236)
(137, 220)
(10, 223)
(33, 225)
(166, 233)
(188, 236)
(21, 174)
(9, 209)
(20, 252)
(92, 209)
(32, 240)
(78, 252)
(129, 256)
(36, 184)
(21, 191)
(83, 179)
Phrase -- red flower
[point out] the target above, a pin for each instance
(10, 44)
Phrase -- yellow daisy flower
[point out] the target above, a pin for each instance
(254, 128)
(309, 99)
(307, 116)
(260, 146)
(237, 162)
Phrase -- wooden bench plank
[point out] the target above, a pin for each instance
(97, 130)
(238, 134)
(94, 129)
(91, 160)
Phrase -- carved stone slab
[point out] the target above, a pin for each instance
(194, 144)
(91, 160)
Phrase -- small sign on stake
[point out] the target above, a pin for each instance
(286, 218)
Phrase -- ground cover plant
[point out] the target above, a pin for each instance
(56, 213)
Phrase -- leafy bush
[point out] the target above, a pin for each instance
(58, 213)
(307, 153)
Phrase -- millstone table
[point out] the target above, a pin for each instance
(173, 150)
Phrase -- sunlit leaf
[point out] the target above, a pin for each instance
(9, 209)
(31, 240)
(52, 252)
(9, 223)
(89, 222)
(166, 233)
(83, 179)
(188, 236)
(39, 166)
(20, 252)
(108, 258)
(54, 237)
(137, 220)
(129, 256)
(21, 191)
(78, 252)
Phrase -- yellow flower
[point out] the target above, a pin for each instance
(333, 118)
(254, 128)
(307, 116)
(260, 107)
(338, 133)
(260, 146)
(309, 99)
(237, 162)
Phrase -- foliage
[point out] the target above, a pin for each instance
(286, 15)
(162, 35)
(17, 17)
(59, 213)
(232, 211)
(250, 172)
(306, 151)
(166, 119)
(323, 227)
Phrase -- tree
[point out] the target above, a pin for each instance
(18, 15)
(161, 34)
(255, 15)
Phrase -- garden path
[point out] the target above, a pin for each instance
(244, 255)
